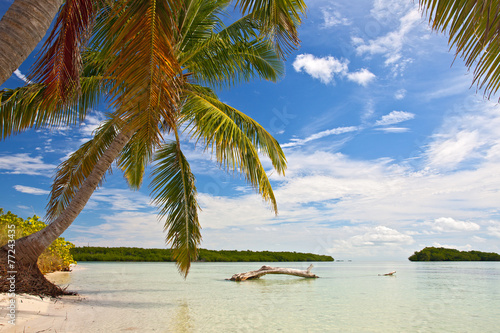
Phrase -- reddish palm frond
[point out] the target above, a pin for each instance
(144, 67)
(58, 67)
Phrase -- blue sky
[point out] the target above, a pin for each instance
(389, 150)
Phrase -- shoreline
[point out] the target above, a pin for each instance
(37, 314)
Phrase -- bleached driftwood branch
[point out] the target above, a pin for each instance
(273, 270)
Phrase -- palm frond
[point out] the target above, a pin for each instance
(143, 66)
(474, 30)
(133, 160)
(174, 191)
(278, 19)
(235, 138)
(196, 21)
(72, 173)
(231, 56)
(29, 107)
(59, 65)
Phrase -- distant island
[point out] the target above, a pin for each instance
(90, 253)
(443, 254)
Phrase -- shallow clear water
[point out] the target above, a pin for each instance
(349, 297)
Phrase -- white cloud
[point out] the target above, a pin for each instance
(322, 134)
(450, 152)
(391, 45)
(393, 129)
(323, 69)
(134, 229)
(119, 200)
(466, 247)
(400, 94)
(21, 76)
(381, 235)
(362, 77)
(494, 230)
(333, 18)
(448, 224)
(468, 137)
(90, 124)
(389, 9)
(30, 190)
(24, 164)
(395, 117)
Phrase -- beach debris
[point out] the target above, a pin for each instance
(273, 270)
(388, 274)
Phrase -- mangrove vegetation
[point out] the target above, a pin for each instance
(90, 253)
(444, 254)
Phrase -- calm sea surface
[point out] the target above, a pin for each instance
(349, 297)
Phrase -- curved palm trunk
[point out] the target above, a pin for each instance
(21, 29)
(29, 248)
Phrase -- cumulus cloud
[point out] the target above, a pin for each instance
(448, 224)
(395, 117)
(381, 235)
(325, 69)
(30, 190)
(362, 77)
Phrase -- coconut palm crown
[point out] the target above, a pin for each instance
(156, 62)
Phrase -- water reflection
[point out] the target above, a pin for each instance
(182, 321)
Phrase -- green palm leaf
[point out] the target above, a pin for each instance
(133, 160)
(30, 107)
(72, 173)
(173, 189)
(235, 138)
(225, 56)
(278, 19)
(474, 29)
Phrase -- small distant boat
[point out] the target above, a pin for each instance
(388, 274)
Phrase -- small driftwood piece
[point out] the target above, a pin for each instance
(388, 274)
(273, 270)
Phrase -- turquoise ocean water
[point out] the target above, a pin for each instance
(348, 297)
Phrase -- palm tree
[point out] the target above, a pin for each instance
(153, 99)
(474, 30)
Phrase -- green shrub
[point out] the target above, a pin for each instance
(57, 257)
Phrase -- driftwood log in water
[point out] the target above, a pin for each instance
(273, 270)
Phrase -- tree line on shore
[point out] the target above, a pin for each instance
(91, 253)
(444, 254)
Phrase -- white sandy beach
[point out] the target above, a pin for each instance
(36, 314)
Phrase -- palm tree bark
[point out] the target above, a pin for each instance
(29, 248)
(21, 29)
